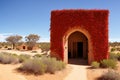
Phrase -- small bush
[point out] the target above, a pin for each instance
(53, 64)
(113, 56)
(95, 64)
(34, 66)
(113, 49)
(60, 65)
(34, 52)
(37, 55)
(45, 46)
(23, 57)
(118, 56)
(42, 65)
(14, 54)
(109, 63)
(8, 59)
(110, 75)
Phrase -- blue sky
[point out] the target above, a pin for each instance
(24, 17)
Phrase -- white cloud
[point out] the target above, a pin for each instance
(3, 36)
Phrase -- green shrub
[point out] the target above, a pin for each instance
(34, 65)
(13, 59)
(113, 56)
(95, 64)
(118, 56)
(53, 64)
(113, 49)
(45, 46)
(60, 65)
(110, 75)
(37, 55)
(34, 52)
(14, 54)
(8, 58)
(23, 57)
(42, 65)
(109, 63)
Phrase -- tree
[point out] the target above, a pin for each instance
(14, 40)
(32, 39)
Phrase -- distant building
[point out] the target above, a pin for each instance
(24, 46)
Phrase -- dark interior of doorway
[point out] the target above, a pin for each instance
(23, 47)
(79, 52)
(78, 59)
(80, 49)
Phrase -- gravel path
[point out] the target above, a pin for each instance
(78, 72)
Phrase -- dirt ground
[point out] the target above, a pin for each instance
(60, 75)
(8, 71)
(92, 74)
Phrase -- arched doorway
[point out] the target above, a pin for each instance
(24, 47)
(77, 47)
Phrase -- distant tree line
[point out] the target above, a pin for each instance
(31, 40)
(113, 44)
(45, 46)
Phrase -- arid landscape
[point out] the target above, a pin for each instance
(12, 73)
(71, 69)
(59, 40)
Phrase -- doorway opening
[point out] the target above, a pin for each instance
(24, 47)
(80, 49)
(77, 48)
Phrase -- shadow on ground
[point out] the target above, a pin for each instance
(78, 61)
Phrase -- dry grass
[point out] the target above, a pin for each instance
(93, 74)
(59, 75)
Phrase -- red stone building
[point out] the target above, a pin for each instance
(24, 46)
(79, 34)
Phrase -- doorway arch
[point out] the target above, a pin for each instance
(77, 45)
(85, 41)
